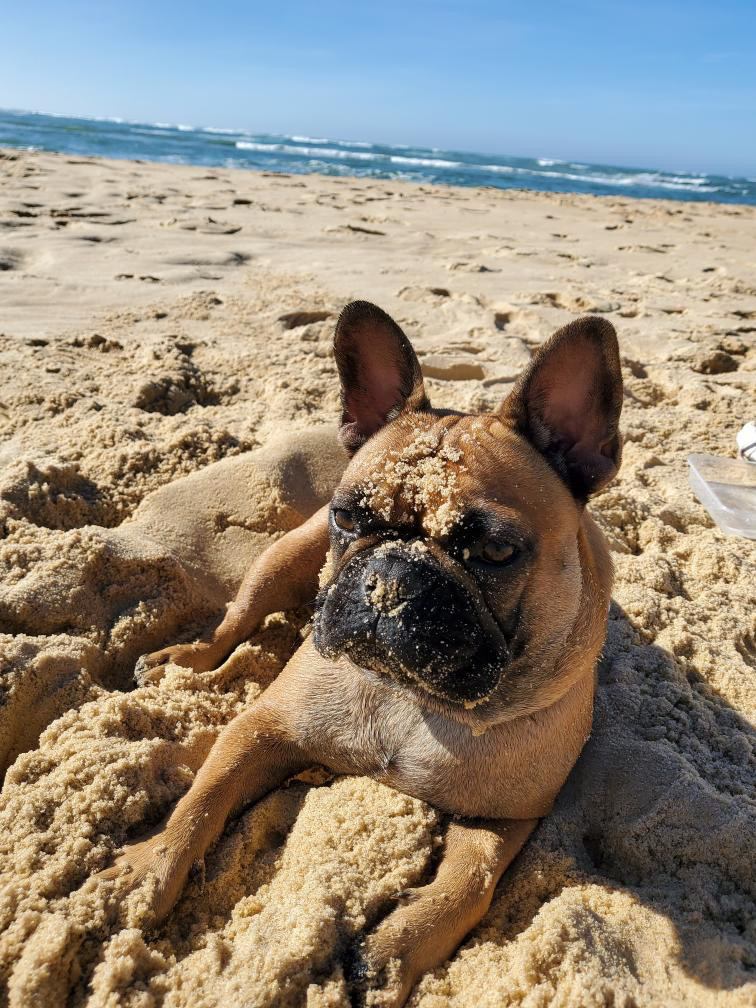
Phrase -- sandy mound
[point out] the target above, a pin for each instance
(143, 464)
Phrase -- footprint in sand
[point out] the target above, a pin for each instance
(67, 215)
(111, 222)
(464, 266)
(209, 259)
(428, 295)
(15, 224)
(10, 259)
(449, 368)
(456, 363)
(577, 303)
(209, 225)
(329, 200)
(659, 249)
(148, 278)
(356, 228)
(461, 347)
(96, 239)
(303, 317)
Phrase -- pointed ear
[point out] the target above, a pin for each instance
(379, 372)
(568, 402)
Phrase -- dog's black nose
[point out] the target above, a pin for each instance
(390, 577)
(394, 610)
(425, 617)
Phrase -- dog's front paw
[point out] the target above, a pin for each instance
(383, 967)
(148, 670)
(150, 865)
(199, 657)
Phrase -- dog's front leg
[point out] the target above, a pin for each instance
(435, 918)
(284, 576)
(251, 756)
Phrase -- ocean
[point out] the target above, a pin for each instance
(180, 144)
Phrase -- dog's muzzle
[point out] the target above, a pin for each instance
(398, 613)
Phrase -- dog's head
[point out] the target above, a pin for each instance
(455, 565)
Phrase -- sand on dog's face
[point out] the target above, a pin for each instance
(416, 478)
(636, 890)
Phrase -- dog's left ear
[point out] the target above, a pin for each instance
(568, 401)
(379, 372)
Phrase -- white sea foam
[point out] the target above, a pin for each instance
(505, 169)
(170, 126)
(328, 140)
(223, 132)
(648, 179)
(321, 152)
(687, 180)
(77, 118)
(333, 152)
(425, 162)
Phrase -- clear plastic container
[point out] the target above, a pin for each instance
(727, 489)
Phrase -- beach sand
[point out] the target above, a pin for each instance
(160, 328)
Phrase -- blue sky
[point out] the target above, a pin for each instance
(667, 85)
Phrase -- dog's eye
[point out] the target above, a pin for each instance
(343, 519)
(494, 552)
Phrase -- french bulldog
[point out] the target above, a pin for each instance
(461, 593)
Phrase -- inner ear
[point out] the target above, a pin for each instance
(379, 372)
(568, 404)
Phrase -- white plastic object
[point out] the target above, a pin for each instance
(746, 441)
(727, 489)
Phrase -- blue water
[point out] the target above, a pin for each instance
(297, 154)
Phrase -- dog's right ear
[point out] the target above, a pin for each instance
(379, 371)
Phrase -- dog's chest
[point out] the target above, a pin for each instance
(512, 771)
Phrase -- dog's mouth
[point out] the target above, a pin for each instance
(399, 614)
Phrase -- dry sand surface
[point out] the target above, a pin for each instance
(161, 327)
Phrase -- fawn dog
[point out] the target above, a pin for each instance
(461, 594)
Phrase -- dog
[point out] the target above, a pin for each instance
(461, 597)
